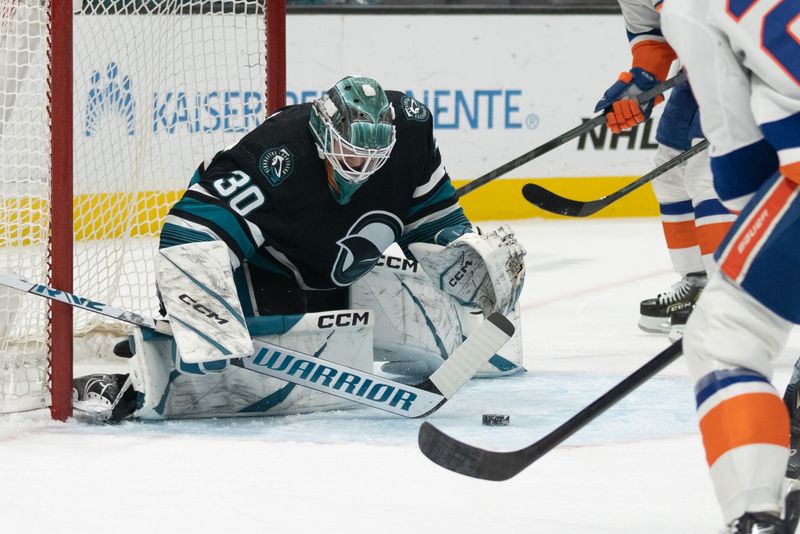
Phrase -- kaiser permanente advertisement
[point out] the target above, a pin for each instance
(493, 96)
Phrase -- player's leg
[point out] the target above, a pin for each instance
(738, 327)
(712, 219)
(678, 223)
(674, 135)
(712, 223)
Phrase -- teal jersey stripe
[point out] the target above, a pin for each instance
(195, 177)
(218, 217)
(445, 191)
(426, 232)
(172, 235)
(243, 291)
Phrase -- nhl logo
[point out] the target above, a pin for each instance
(276, 165)
(414, 109)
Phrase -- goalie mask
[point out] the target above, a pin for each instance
(352, 126)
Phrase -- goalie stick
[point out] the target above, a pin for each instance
(476, 462)
(323, 375)
(563, 138)
(549, 201)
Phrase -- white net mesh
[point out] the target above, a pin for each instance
(158, 87)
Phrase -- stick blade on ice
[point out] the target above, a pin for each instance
(465, 459)
(480, 463)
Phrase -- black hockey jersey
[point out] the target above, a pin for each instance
(267, 198)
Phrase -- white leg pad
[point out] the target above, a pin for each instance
(340, 336)
(417, 326)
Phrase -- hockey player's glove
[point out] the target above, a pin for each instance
(619, 103)
(485, 271)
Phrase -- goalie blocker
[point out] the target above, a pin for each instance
(196, 287)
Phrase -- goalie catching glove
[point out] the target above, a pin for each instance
(486, 271)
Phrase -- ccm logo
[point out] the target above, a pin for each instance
(453, 282)
(342, 319)
(186, 299)
(401, 264)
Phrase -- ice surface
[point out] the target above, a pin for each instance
(637, 469)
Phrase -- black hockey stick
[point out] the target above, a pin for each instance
(549, 201)
(493, 465)
(563, 138)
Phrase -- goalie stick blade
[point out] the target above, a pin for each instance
(465, 361)
(549, 201)
(465, 459)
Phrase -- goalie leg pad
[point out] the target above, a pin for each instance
(172, 391)
(417, 326)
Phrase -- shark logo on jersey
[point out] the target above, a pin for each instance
(109, 93)
(414, 109)
(363, 245)
(276, 165)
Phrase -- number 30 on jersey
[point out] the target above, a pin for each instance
(242, 198)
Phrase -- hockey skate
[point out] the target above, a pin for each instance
(657, 312)
(766, 523)
(103, 398)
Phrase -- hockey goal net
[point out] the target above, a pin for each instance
(156, 86)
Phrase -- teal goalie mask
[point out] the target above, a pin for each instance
(352, 126)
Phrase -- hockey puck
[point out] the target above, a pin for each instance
(495, 419)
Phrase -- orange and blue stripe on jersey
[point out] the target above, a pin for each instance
(761, 253)
(738, 408)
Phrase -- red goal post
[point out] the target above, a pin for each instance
(106, 109)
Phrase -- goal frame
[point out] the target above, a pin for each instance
(61, 234)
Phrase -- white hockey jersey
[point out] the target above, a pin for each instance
(743, 60)
(648, 46)
(642, 19)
